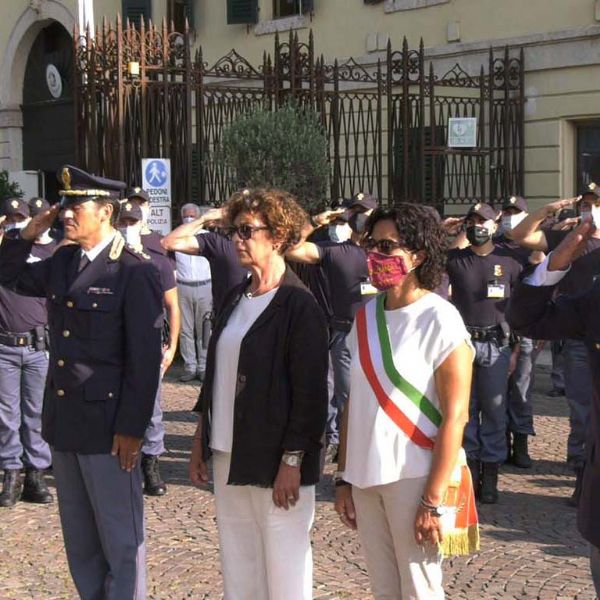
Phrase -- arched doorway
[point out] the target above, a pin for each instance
(48, 108)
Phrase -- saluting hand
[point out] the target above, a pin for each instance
(127, 448)
(40, 223)
(557, 205)
(328, 216)
(571, 247)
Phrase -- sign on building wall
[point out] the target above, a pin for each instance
(156, 180)
(462, 132)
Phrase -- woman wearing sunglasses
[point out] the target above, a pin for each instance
(263, 408)
(403, 479)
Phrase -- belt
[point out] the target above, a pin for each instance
(16, 339)
(485, 334)
(195, 283)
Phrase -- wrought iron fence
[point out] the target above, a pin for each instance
(140, 93)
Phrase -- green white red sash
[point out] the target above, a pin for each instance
(419, 419)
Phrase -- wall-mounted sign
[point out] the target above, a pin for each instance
(462, 132)
(156, 180)
(54, 81)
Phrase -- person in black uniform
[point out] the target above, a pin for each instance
(344, 264)
(23, 368)
(105, 318)
(585, 268)
(533, 312)
(520, 384)
(218, 249)
(481, 278)
(130, 226)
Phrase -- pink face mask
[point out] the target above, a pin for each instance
(386, 271)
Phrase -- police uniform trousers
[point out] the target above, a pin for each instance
(557, 375)
(22, 378)
(520, 386)
(578, 390)
(266, 552)
(485, 433)
(195, 301)
(340, 365)
(102, 516)
(154, 437)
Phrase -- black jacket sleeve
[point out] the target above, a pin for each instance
(307, 360)
(142, 319)
(27, 279)
(533, 312)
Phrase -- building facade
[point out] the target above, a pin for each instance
(561, 42)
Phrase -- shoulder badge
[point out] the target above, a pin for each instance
(138, 252)
(117, 246)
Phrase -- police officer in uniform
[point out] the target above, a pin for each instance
(105, 318)
(481, 278)
(344, 264)
(581, 276)
(23, 367)
(130, 226)
(535, 313)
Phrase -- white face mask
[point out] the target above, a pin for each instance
(20, 225)
(188, 219)
(594, 213)
(131, 234)
(340, 233)
(145, 213)
(44, 237)
(511, 221)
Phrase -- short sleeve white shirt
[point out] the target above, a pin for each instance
(422, 335)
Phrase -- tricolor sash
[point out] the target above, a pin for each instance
(414, 414)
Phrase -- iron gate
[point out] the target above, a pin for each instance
(140, 93)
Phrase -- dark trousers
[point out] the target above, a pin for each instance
(520, 385)
(102, 516)
(340, 364)
(22, 379)
(485, 433)
(578, 389)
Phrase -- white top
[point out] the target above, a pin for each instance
(192, 268)
(226, 366)
(422, 335)
(542, 277)
(94, 252)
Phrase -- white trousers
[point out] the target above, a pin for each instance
(265, 550)
(194, 303)
(399, 568)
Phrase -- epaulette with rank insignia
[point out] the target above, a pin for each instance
(138, 253)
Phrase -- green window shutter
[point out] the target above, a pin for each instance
(242, 11)
(308, 6)
(136, 10)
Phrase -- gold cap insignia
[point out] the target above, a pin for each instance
(65, 177)
(477, 206)
(246, 192)
(128, 206)
(15, 204)
(513, 200)
(592, 186)
(38, 203)
(360, 196)
(137, 190)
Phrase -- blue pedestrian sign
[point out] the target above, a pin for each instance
(156, 180)
(156, 173)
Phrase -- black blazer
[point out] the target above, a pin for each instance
(281, 392)
(105, 349)
(533, 312)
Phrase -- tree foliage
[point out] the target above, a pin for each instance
(8, 189)
(286, 149)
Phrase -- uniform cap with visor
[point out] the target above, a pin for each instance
(15, 206)
(79, 186)
(515, 202)
(483, 210)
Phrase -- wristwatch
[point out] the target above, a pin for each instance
(293, 459)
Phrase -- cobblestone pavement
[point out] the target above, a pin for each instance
(530, 547)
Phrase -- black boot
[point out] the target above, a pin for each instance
(509, 448)
(35, 489)
(475, 468)
(520, 454)
(489, 483)
(153, 484)
(574, 499)
(11, 488)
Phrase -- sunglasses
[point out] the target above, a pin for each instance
(244, 232)
(383, 246)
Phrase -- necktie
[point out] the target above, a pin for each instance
(84, 261)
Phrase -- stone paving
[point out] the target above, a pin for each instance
(530, 546)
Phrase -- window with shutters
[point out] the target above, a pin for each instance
(291, 8)
(136, 10)
(242, 11)
(178, 11)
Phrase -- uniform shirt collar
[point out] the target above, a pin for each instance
(94, 252)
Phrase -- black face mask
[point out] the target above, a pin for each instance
(477, 235)
(357, 222)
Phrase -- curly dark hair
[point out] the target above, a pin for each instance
(419, 229)
(280, 211)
